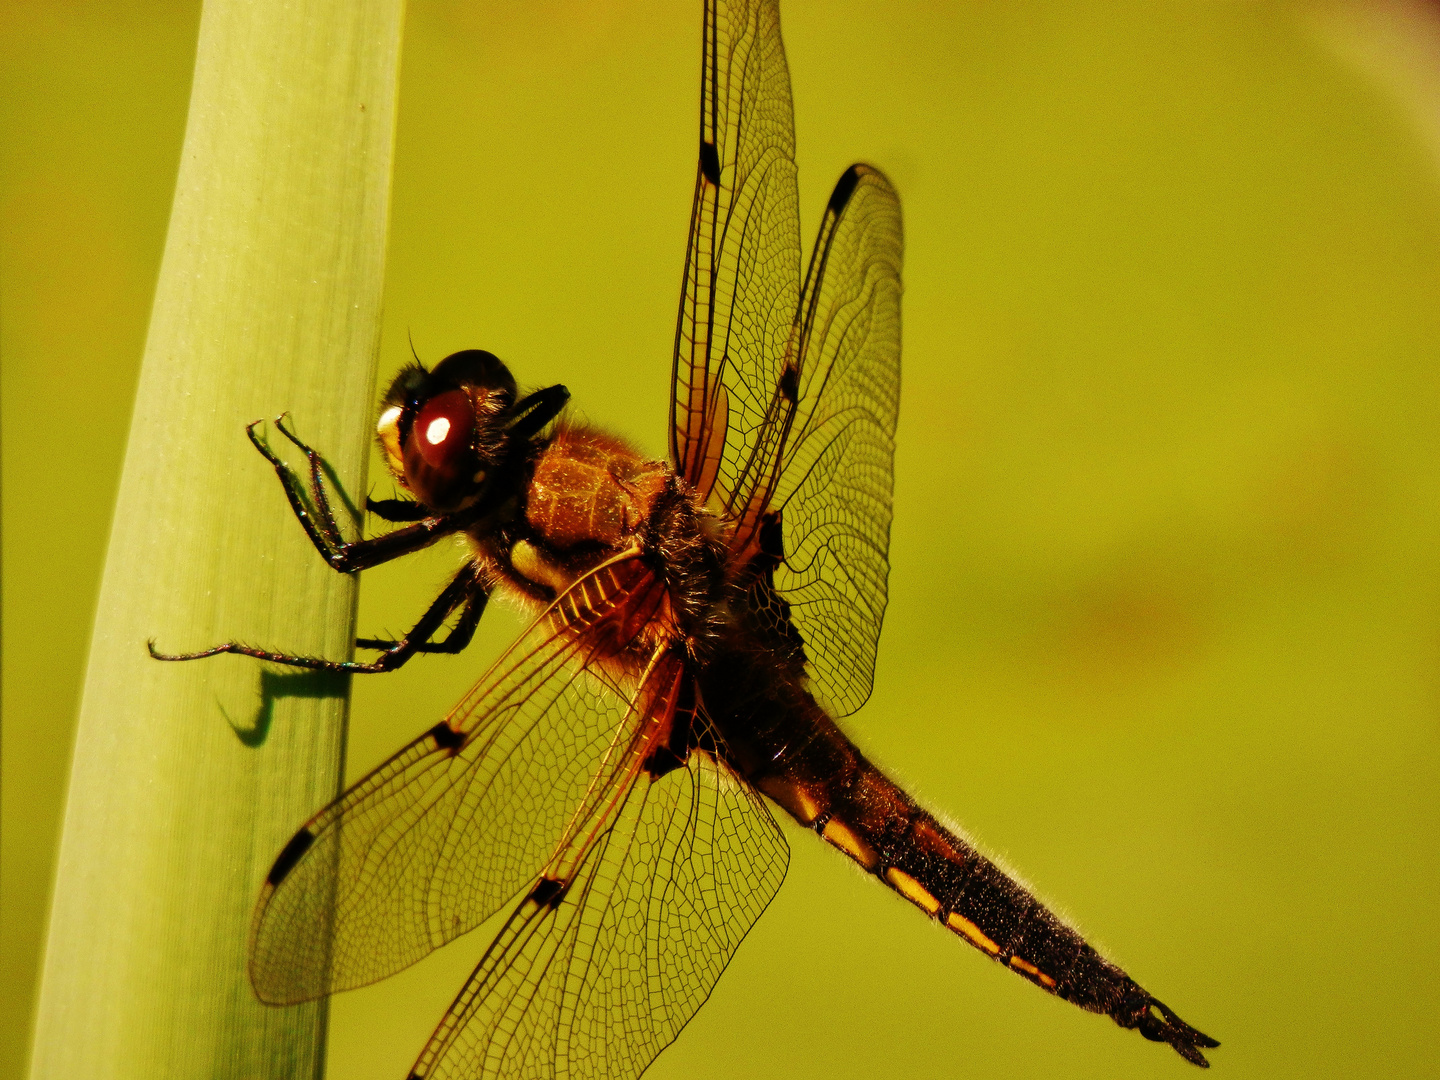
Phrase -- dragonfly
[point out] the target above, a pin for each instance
(697, 628)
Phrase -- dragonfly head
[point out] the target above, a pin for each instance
(442, 432)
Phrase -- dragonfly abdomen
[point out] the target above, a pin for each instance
(860, 811)
(820, 777)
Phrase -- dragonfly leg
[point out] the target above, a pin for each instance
(324, 518)
(465, 590)
(324, 531)
(397, 511)
(537, 410)
(455, 641)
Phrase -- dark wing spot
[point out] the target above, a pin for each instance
(446, 737)
(772, 537)
(548, 892)
(844, 188)
(774, 609)
(790, 382)
(662, 760)
(676, 749)
(286, 860)
(710, 163)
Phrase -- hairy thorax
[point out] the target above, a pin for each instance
(591, 497)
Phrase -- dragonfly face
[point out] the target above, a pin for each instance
(699, 627)
(441, 432)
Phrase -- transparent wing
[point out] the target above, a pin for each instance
(836, 475)
(742, 267)
(597, 980)
(435, 840)
(785, 398)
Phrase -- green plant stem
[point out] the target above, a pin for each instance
(268, 300)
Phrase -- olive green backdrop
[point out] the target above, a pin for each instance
(1164, 626)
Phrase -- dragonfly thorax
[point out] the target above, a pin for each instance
(589, 497)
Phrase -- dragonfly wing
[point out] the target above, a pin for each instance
(836, 476)
(786, 396)
(595, 980)
(439, 837)
(742, 266)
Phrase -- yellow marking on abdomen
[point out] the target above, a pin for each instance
(912, 890)
(1031, 969)
(845, 838)
(962, 925)
(795, 799)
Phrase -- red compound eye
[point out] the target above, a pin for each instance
(443, 428)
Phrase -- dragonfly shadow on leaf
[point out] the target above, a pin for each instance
(275, 685)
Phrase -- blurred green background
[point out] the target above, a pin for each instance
(1164, 626)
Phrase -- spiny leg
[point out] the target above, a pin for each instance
(464, 589)
(536, 410)
(350, 556)
(326, 516)
(324, 533)
(397, 511)
(455, 641)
